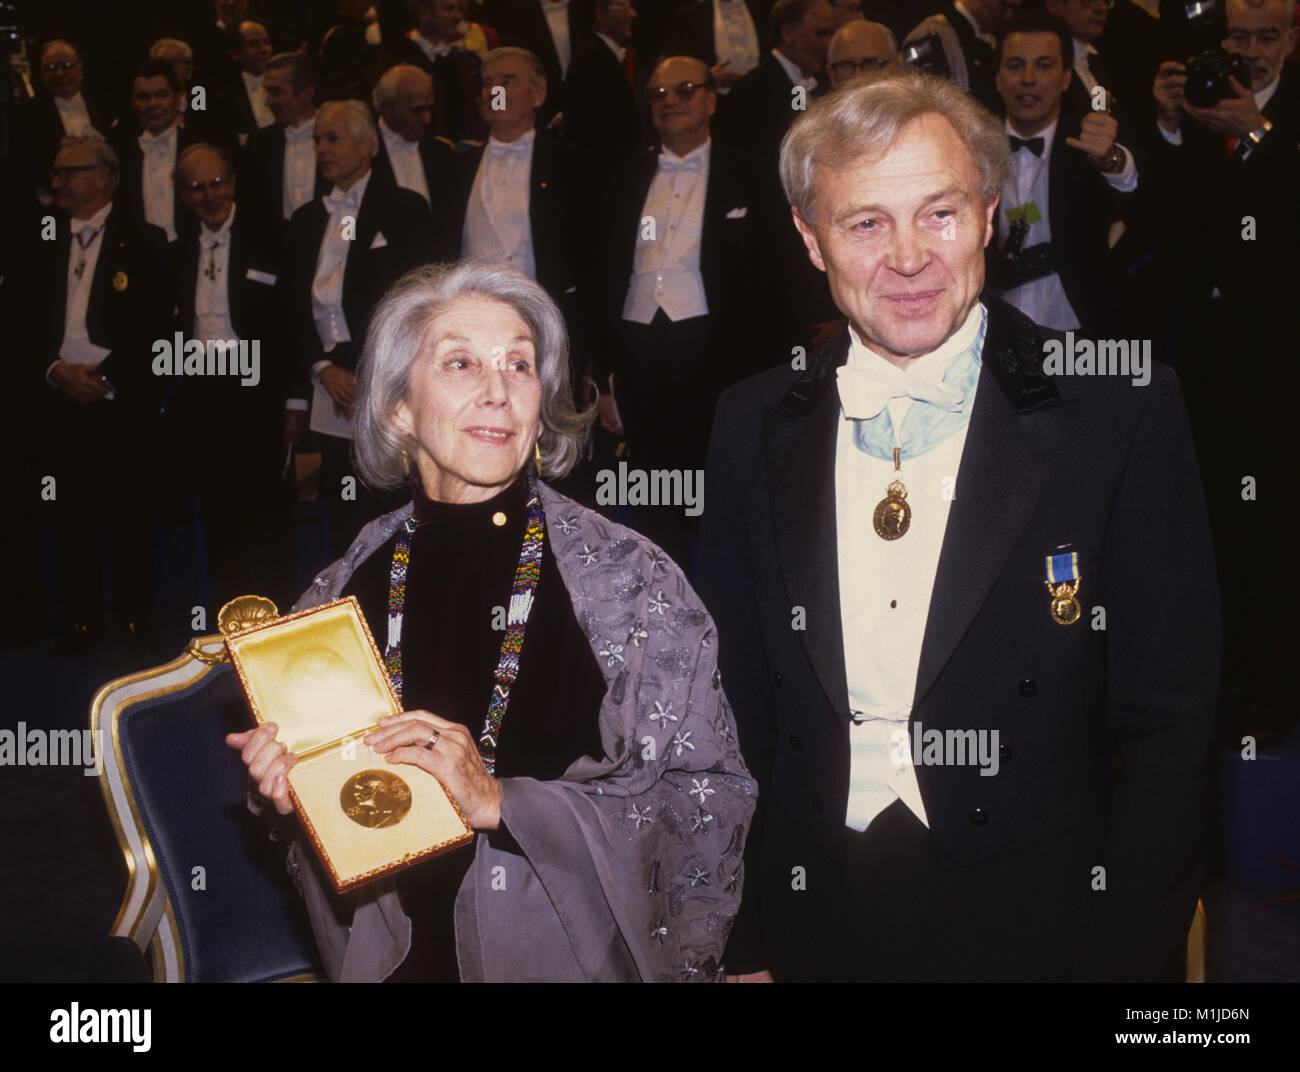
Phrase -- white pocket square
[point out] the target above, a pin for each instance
(738, 213)
(261, 277)
(380, 241)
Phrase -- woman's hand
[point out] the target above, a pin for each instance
(453, 760)
(268, 763)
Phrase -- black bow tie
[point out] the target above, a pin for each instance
(1034, 145)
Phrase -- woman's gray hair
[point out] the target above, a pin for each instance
(396, 337)
(858, 124)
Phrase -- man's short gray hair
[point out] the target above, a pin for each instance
(535, 66)
(171, 44)
(859, 124)
(1288, 8)
(360, 123)
(398, 330)
(100, 152)
(387, 88)
(302, 71)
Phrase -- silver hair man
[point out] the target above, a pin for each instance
(398, 329)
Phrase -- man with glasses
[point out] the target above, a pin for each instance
(59, 109)
(678, 292)
(601, 113)
(860, 49)
(106, 299)
(240, 107)
(226, 278)
(1229, 230)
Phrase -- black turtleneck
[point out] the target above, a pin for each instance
(462, 568)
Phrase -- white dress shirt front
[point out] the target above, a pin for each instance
(262, 114)
(666, 268)
(212, 289)
(557, 21)
(1043, 300)
(735, 38)
(497, 227)
(404, 155)
(159, 192)
(885, 586)
(299, 181)
(1082, 50)
(74, 116)
(76, 347)
(331, 264)
(792, 71)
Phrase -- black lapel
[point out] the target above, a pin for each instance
(191, 256)
(105, 268)
(355, 284)
(799, 448)
(237, 265)
(62, 252)
(1014, 436)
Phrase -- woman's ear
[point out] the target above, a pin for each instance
(401, 418)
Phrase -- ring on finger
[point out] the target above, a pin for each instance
(433, 739)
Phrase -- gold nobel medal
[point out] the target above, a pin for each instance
(120, 281)
(893, 515)
(375, 799)
(1065, 607)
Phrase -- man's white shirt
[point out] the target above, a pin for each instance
(886, 585)
(211, 290)
(76, 347)
(735, 38)
(331, 263)
(159, 192)
(557, 21)
(299, 181)
(497, 228)
(74, 116)
(666, 269)
(262, 114)
(404, 156)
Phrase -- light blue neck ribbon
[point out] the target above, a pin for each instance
(926, 423)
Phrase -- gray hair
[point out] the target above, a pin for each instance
(388, 87)
(535, 66)
(360, 123)
(1288, 8)
(395, 338)
(855, 28)
(302, 71)
(101, 152)
(862, 121)
(165, 44)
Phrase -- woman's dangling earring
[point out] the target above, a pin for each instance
(537, 455)
(406, 462)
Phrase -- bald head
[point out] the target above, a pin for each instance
(682, 102)
(403, 98)
(61, 69)
(860, 48)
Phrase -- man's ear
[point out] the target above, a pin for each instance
(990, 214)
(809, 237)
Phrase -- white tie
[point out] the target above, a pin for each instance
(864, 394)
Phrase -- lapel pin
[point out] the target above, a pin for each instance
(1063, 583)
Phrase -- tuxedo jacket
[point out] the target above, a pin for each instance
(40, 128)
(690, 33)
(130, 189)
(232, 111)
(394, 233)
(601, 112)
(1086, 462)
(731, 245)
(1081, 206)
(438, 163)
(261, 180)
(131, 305)
(555, 210)
(523, 25)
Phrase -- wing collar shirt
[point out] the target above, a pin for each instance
(83, 255)
(735, 39)
(299, 183)
(1043, 300)
(404, 155)
(212, 289)
(159, 193)
(793, 73)
(557, 21)
(666, 267)
(262, 114)
(331, 265)
(74, 116)
(885, 585)
(497, 227)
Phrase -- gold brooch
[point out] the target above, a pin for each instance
(120, 281)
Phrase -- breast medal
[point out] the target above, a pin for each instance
(1063, 584)
(120, 282)
(893, 516)
(375, 799)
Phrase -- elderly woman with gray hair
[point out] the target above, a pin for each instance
(559, 674)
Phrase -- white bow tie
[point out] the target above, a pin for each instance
(84, 225)
(864, 394)
(694, 163)
(154, 143)
(348, 202)
(508, 148)
(299, 135)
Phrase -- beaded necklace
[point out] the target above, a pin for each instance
(521, 604)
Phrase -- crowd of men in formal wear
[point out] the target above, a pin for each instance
(236, 172)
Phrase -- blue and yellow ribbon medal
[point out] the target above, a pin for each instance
(1063, 583)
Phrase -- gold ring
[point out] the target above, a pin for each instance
(433, 739)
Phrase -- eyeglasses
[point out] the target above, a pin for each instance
(216, 186)
(683, 91)
(54, 67)
(65, 173)
(848, 68)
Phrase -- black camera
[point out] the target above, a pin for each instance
(1197, 29)
(926, 54)
(1208, 74)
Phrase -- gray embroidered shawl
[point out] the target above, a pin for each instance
(633, 860)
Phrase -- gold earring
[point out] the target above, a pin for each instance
(537, 456)
(406, 461)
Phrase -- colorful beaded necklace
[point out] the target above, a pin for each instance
(521, 604)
